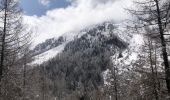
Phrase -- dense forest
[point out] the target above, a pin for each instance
(105, 61)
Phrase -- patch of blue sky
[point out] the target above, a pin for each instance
(34, 7)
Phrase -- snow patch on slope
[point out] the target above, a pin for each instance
(45, 56)
(130, 55)
(39, 59)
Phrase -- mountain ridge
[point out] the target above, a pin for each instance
(106, 33)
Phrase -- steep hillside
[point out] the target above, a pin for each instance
(78, 63)
(104, 34)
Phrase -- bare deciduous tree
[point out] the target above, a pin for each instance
(155, 15)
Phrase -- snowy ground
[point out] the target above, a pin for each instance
(39, 59)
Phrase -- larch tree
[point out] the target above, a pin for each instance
(14, 40)
(155, 15)
(13, 37)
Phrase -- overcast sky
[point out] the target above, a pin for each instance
(52, 18)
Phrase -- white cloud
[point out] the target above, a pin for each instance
(80, 14)
(44, 2)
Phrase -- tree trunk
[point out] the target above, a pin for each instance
(164, 51)
(115, 84)
(3, 42)
(24, 75)
(152, 70)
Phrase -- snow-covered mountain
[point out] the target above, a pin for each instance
(107, 33)
(84, 60)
